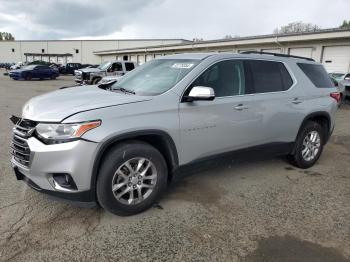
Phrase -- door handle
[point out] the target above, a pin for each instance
(240, 107)
(296, 101)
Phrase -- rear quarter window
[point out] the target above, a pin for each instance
(267, 76)
(317, 74)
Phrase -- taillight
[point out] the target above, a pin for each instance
(336, 96)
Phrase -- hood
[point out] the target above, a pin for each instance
(17, 71)
(90, 70)
(58, 105)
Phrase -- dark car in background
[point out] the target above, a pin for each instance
(34, 72)
(69, 68)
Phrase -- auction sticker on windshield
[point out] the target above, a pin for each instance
(182, 65)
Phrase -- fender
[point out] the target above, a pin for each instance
(170, 144)
(317, 114)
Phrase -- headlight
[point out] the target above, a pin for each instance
(60, 133)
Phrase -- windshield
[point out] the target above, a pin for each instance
(338, 75)
(156, 77)
(104, 65)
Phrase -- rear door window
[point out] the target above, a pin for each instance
(317, 74)
(129, 66)
(267, 76)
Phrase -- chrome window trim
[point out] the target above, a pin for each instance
(294, 79)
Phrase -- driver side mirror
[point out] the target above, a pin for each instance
(200, 93)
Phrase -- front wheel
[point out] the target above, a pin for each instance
(308, 146)
(132, 177)
(28, 77)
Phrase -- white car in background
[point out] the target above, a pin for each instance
(18, 65)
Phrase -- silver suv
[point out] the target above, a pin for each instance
(120, 147)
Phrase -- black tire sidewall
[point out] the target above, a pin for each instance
(116, 157)
(95, 81)
(298, 158)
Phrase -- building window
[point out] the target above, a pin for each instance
(42, 50)
(77, 51)
(13, 50)
(125, 58)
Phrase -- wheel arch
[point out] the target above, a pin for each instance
(157, 138)
(321, 117)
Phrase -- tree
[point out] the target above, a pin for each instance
(297, 27)
(231, 37)
(346, 24)
(197, 39)
(5, 36)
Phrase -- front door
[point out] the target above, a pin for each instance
(227, 123)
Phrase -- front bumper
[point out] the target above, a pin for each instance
(72, 158)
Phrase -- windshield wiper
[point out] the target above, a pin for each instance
(124, 90)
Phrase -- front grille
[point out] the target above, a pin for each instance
(20, 150)
(78, 75)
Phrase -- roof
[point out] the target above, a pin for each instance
(267, 56)
(270, 38)
(190, 56)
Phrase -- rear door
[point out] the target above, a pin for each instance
(274, 100)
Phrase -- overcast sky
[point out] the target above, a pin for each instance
(207, 19)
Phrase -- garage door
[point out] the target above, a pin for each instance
(133, 58)
(149, 58)
(301, 51)
(141, 59)
(336, 58)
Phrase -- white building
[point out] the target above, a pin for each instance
(63, 51)
(331, 47)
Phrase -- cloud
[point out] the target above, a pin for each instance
(80, 19)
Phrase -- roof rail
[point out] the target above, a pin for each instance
(277, 54)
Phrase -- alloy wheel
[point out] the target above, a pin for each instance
(134, 181)
(311, 146)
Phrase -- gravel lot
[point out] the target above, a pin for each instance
(261, 210)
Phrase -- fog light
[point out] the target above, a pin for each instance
(64, 181)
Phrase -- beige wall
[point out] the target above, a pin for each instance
(85, 47)
(317, 47)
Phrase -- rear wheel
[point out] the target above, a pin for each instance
(308, 146)
(96, 80)
(132, 177)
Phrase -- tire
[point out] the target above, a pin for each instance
(53, 77)
(305, 154)
(114, 171)
(95, 80)
(28, 77)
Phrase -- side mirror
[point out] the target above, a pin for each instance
(200, 93)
